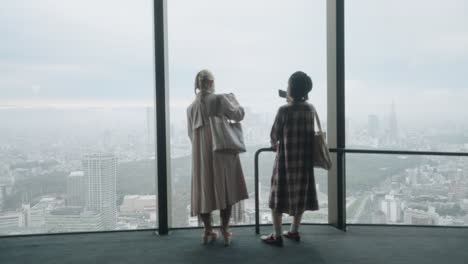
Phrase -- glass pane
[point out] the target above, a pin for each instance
(405, 69)
(76, 104)
(266, 162)
(252, 47)
(409, 190)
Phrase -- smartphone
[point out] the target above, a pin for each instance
(282, 93)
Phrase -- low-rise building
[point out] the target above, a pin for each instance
(420, 217)
(138, 204)
(73, 219)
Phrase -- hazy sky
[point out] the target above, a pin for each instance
(412, 52)
(251, 47)
(101, 52)
(76, 51)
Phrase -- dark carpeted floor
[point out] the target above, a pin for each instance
(321, 244)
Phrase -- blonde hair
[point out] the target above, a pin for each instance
(201, 81)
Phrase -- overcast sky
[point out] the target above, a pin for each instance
(87, 52)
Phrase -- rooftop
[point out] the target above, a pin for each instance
(76, 174)
(67, 211)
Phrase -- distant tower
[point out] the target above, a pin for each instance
(393, 125)
(373, 125)
(76, 189)
(101, 179)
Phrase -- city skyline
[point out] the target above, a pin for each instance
(136, 208)
(73, 84)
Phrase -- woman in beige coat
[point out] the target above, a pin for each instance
(217, 178)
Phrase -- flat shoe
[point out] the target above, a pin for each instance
(272, 240)
(292, 235)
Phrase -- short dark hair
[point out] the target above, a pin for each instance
(300, 85)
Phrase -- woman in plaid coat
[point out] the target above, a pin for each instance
(293, 184)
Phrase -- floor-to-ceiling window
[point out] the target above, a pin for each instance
(252, 47)
(77, 116)
(406, 90)
(77, 106)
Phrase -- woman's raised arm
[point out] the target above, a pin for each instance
(230, 107)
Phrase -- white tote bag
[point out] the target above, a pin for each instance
(227, 134)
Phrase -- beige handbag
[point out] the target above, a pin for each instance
(320, 153)
(227, 135)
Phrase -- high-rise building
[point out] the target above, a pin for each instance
(392, 207)
(393, 124)
(76, 189)
(373, 126)
(100, 171)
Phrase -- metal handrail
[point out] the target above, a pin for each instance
(342, 150)
(257, 199)
(399, 152)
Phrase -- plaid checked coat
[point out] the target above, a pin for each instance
(292, 184)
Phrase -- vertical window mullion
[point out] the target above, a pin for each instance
(336, 112)
(162, 115)
(340, 111)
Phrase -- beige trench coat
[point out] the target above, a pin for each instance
(217, 178)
